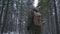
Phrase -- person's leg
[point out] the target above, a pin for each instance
(37, 30)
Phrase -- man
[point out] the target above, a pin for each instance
(34, 22)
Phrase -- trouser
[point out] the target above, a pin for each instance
(35, 30)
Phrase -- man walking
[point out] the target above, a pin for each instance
(34, 20)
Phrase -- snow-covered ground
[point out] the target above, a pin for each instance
(12, 33)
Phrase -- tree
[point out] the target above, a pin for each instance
(44, 6)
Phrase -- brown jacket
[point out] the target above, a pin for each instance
(37, 18)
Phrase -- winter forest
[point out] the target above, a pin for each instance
(29, 16)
